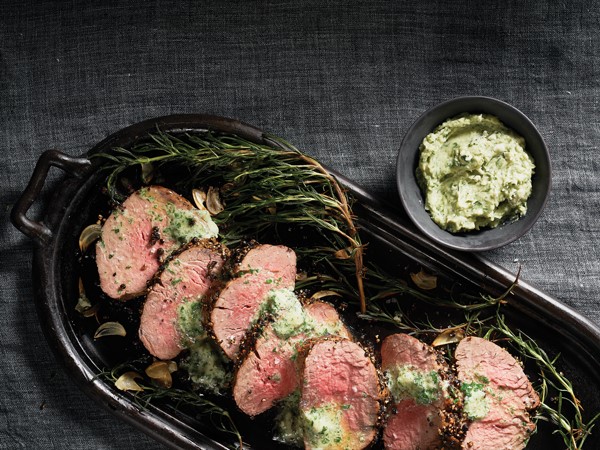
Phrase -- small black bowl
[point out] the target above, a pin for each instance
(413, 199)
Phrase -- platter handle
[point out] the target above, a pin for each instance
(38, 231)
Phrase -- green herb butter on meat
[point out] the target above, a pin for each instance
(185, 225)
(206, 364)
(475, 173)
(408, 382)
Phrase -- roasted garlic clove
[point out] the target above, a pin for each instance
(449, 336)
(89, 235)
(213, 201)
(126, 382)
(110, 329)
(424, 281)
(160, 372)
(199, 197)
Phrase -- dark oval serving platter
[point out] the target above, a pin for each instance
(75, 204)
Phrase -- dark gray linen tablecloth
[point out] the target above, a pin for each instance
(341, 80)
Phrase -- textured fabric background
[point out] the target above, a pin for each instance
(341, 80)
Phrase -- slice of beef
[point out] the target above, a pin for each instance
(340, 400)
(137, 236)
(498, 396)
(238, 306)
(271, 371)
(413, 373)
(507, 426)
(172, 313)
(477, 357)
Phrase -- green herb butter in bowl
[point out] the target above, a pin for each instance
(473, 173)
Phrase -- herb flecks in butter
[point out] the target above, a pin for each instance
(185, 225)
(291, 319)
(323, 426)
(288, 422)
(406, 382)
(476, 402)
(475, 173)
(207, 366)
(189, 316)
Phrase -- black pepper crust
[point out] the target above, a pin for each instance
(154, 236)
(248, 343)
(210, 244)
(238, 255)
(454, 422)
(230, 271)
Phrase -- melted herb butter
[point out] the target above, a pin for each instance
(189, 320)
(185, 225)
(323, 427)
(288, 422)
(476, 403)
(475, 173)
(207, 366)
(291, 318)
(406, 382)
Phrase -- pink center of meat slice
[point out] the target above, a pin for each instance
(271, 371)
(185, 278)
(507, 424)
(239, 304)
(412, 426)
(267, 375)
(340, 373)
(128, 255)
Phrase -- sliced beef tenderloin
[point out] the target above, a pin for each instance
(340, 401)
(238, 306)
(497, 396)
(271, 370)
(413, 373)
(137, 236)
(173, 312)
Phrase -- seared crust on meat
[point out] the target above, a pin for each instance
(134, 242)
(187, 279)
(341, 395)
(236, 309)
(505, 394)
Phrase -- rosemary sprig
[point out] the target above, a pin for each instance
(575, 431)
(391, 312)
(262, 186)
(150, 394)
(380, 286)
